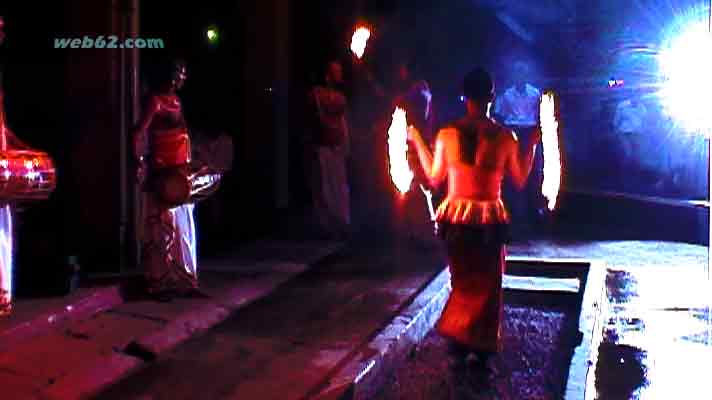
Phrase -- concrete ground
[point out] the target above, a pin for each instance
(73, 347)
(292, 343)
(288, 344)
(244, 343)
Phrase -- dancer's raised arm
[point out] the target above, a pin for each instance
(435, 167)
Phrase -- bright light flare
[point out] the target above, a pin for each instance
(686, 65)
(359, 41)
(401, 175)
(550, 143)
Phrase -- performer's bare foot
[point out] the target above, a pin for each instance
(5, 304)
(5, 310)
(194, 293)
(480, 360)
(163, 296)
(485, 362)
(459, 353)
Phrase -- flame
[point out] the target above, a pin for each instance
(550, 143)
(401, 175)
(359, 40)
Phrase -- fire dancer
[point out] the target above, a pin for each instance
(474, 154)
(330, 148)
(162, 148)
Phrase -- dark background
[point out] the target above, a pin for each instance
(65, 101)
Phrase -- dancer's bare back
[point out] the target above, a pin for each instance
(497, 154)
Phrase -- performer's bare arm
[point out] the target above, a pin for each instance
(435, 167)
(347, 135)
(2, 110)
(520, 165)
(315, 103)
(140, 139)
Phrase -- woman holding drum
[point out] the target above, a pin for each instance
(163, 150)
(26, 175)
(5, 218)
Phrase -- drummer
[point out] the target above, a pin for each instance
(16, 186)
(5, 217)
(162, 150)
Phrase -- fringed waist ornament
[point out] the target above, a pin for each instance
(26, 175)
(464, 222)
(472, 212)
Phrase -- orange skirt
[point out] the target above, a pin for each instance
(474, 232)
(473, 314)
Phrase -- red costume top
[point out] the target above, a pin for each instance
(169, 139)
(330, 107)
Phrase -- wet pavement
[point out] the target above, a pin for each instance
(657, 317)
(655, 342)
(621, 371)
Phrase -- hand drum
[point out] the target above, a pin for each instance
(26, 175)
(173, 187)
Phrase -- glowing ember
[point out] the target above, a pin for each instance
(401, 174)
(552, 156)
(359, 40)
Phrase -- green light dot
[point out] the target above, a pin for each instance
(212, 34)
